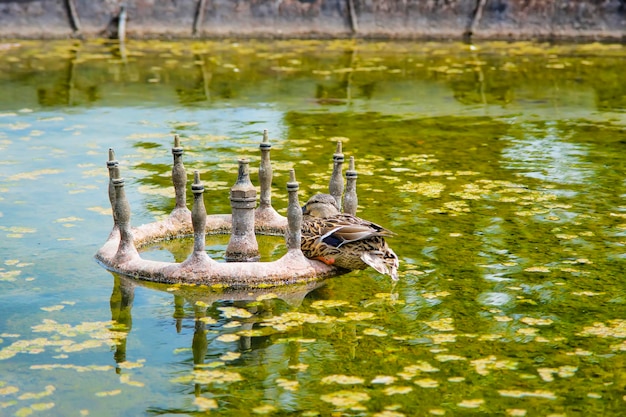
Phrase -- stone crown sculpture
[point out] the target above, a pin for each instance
(120, 252)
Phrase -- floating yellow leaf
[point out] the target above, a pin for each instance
(358, 316)
(616, 328)
(205, 404)
(427, 383)
(427, 189)
(230, 356)
(536, 322)
(521, 394)
(384, 379)
(537, 269)
(580, 352)
(475, 403)
(287, 384)
(229, 337)
(342, 380)
(564, 236)
(431, 295)
(301, 367)
(203, 376)
(393, 390)
(230, 312)
(207, 320)
(320, 304)
(24, 412)
(125, 379)
(8, 390)
(33, 175)
(448, 358)
(106, 211)
(484, 366)
(443, 338)
(443, 325)
(130, 365)
(588, 293)
(546, 373)
(36, 395)
(389, 413)
(345, 399)
(374, 332)
(42, 406)
(68, 219)
(412, 370)
(9, 276)
(516, 412)
(264, 409)
(53, 308)
(108, 393)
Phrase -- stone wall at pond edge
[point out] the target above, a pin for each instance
(436, 19)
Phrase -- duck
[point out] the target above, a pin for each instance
(344, 240)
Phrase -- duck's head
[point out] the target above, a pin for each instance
(321, 205)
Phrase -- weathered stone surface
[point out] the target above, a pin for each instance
(504, 19)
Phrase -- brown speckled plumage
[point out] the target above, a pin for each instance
(344, 240)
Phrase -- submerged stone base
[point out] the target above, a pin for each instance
(486, 19)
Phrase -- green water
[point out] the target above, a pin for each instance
(499, 166)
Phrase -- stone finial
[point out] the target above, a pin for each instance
(113, 167)
(242, 246)
(335, 187)
(265, 173)
(179, 175)
(198, 214)
(350, 199)
(294, 214)
(126, 249)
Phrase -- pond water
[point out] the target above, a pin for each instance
(499, 166)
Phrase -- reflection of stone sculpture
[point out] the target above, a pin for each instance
(120, 254)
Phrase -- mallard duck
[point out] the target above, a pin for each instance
(344, 240)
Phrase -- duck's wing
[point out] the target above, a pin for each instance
(349, 219)
(341, 229)
(339, 235)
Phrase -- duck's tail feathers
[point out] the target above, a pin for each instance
(385, 263)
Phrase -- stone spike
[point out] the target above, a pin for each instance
(179, 175)
(198, 215)
(350, 199)
(113, 167)
(294, 214)
(335, 187)
(265, 173)
(126, 249)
